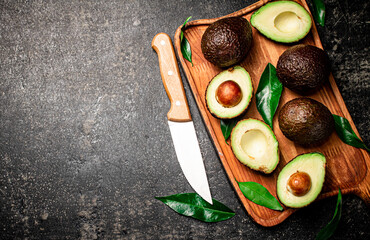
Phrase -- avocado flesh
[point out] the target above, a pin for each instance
(282, 21)
(254, 144)
(227, 41)
(311, 163)
(239, 75)
(306, 121)
(303, 68)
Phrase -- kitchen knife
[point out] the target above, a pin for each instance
(179, 118)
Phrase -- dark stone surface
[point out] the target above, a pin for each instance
(84, 141)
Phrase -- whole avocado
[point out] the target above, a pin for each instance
(303, 68)
(227, 41)
(306, 121)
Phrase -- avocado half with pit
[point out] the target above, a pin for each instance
(229, 93)
(254, 144)
(282, 21)
(301, 180)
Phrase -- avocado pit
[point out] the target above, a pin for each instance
(229, 94)
(299, 183)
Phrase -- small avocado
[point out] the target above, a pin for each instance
(282, 21)
(303, 68)
(306, 121)
(301, 180)
(254, 144)
(229, 93)
(227, 41)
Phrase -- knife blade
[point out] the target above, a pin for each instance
(179, 119)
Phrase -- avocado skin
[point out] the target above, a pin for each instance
(303, 68)
(227, 41)
(306, 121)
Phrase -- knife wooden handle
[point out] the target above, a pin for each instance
(179, 111)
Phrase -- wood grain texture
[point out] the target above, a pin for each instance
(347, 167)
(179, 111)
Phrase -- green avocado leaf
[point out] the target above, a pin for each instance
(227, 126)
(192, 205)
(268, 94)
(319, 11)
(330, 228)
(186, 50)
(185, 45)
(346, 133)
(259, 195)
(182, 33)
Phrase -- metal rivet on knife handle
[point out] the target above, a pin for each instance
(179, 111)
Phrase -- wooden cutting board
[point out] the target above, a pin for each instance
(347, 167)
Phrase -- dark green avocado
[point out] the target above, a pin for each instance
(306, 121)
(227, 41)
(303, 68)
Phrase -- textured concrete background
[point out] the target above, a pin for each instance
(84, 141)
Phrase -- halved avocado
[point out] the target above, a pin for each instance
(255, 145)
(282, 21)
(301, 180)
(229, 93)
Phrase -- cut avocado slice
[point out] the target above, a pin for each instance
(255, 145)
(229, 93)
(294, 189)
(282, 21)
